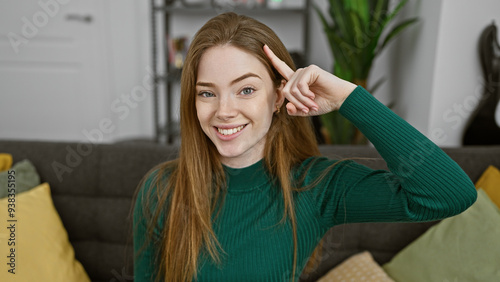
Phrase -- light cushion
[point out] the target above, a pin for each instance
(25, 176)
(465, 247)
(360, 267)
(5, 161)
(42, 249)
(490, 183)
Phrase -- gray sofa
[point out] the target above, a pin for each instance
(93, 187)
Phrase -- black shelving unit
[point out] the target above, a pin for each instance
(169, 131)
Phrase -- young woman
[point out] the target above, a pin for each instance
(249, 197)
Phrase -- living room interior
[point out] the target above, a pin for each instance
(90, 103)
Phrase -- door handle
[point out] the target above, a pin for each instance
(79, 18)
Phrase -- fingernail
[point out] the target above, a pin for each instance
(305, 110)
(315, 109)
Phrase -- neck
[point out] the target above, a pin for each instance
(248, 178)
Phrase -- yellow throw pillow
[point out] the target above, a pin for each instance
(360, 267)
(5, 161)
(490, 183)
(34, 245)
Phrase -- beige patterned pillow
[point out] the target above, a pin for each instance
(359, 267)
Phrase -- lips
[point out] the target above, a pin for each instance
(228, 132)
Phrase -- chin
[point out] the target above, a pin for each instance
(230, 150)
(231, 153)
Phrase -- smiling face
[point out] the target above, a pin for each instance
(235, 102)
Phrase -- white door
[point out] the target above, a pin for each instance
(54, 70)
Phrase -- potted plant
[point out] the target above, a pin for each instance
(354, 29)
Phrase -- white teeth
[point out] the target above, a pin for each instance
(230, 131)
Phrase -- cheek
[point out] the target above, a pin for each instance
(201, 113)
(265, 111)
(272, 101)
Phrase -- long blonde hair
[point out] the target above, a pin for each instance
(196, 179)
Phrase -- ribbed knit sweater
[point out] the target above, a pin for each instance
(423, 184)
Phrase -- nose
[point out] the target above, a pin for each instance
(227, 108)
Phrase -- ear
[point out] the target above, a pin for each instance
(280, 97)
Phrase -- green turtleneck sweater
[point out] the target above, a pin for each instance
(423, 184)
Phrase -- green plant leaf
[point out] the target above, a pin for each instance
(337, 12)
(342, 51)
(380, 11)
(388, 18)
(341, 72)
(376, 27)
(365, 43)
(336, 42)
(356, 27)
(358, 42)
(397, 30)
(395, 12)
(361, 7)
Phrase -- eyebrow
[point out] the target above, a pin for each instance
(245, 76)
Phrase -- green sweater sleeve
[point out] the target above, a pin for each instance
(423, 183)
(144, 248)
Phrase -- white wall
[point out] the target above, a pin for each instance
(458, 82)
(412, 63)
(438, 78)
(130, 55)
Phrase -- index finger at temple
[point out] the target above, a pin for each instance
(281, 66)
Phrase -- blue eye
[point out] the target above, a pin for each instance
(247, 91)
(206, 94)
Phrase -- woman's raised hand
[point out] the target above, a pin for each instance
(310, 91)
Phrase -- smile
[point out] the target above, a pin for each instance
(230, 131)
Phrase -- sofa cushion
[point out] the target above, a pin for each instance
(360, 267)
(5, 161)
(26, 177)
(464, 247)
(36, 247)
(490, 183)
